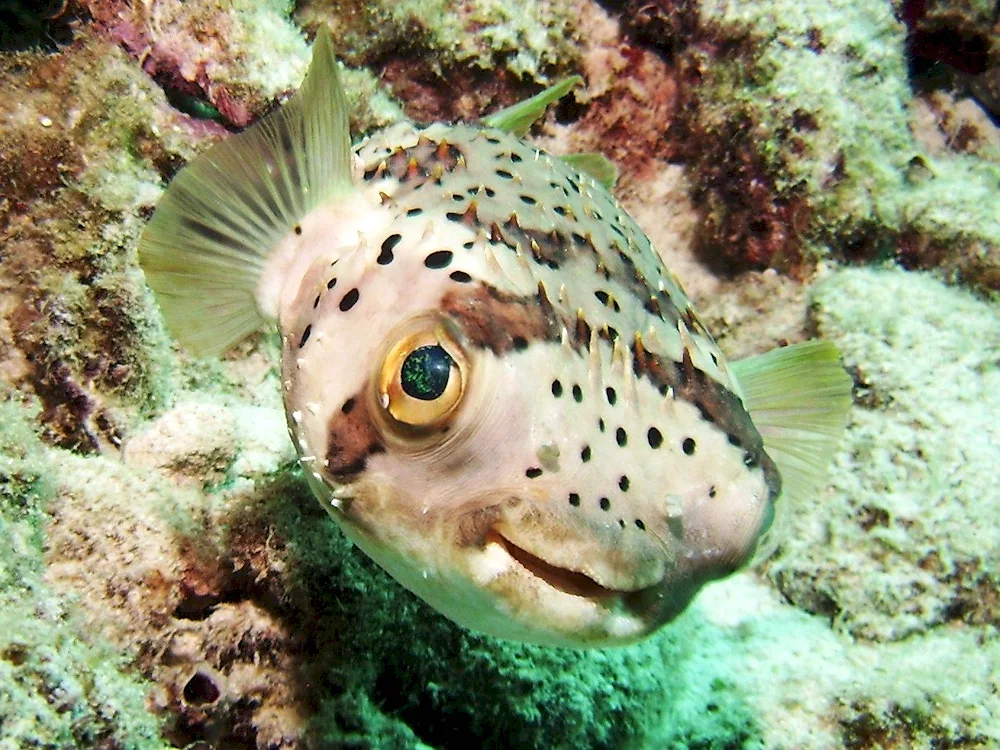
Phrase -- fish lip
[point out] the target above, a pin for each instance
(568, 581)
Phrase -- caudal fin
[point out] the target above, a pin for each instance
(208, 242)
(798, 397)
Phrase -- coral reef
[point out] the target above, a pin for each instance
(166, 577)
(910, 484)
(797, 125)
(62, 688)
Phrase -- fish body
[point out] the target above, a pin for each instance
(493, 383)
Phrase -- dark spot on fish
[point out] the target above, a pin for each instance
(602, 296)
(652, 306)
(453, 216)
(623, 483)
(305, 335)
(655, 437)
(468, 245)
(640, 525)
(520, 343)
(457, 197)
(621, 522)
(577, 393)
(349, 300)
(611, 395)
(331, 283)
(533, 473)
(688, 446)
(348, 405)
(388, 245)
(415, 212)
(460, 276)
(492, 139)
(561, 210)
(515, 157)
(528, 200)
(705, 413)
(605, 504)
(298, 229)
(316, 302)
(574, 499)
(504, 174)
(621, 436)
(557, 389)
(712, 492)
(439, 259)
(585, 454)
(600, 424)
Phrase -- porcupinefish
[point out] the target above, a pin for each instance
(493, 383)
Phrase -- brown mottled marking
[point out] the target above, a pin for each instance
(640, 356)
(417, 164)
(495, 320)
(552, 249)
(351, 438)
(473, 527)
(691, 320)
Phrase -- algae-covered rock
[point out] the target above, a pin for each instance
(61, 686)
(897, 546)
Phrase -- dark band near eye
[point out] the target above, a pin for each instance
(425, 371)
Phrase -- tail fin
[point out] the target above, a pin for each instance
(207, 244)
(798, 397)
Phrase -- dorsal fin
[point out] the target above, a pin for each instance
(598, 166)
(208, 242)
(517, 118)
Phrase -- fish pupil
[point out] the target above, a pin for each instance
(425, 372)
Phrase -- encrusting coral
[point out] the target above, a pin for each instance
(166, 577)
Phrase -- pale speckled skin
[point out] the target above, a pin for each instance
(525, 310)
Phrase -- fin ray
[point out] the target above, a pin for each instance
(221, 217)
(598, 166)
(518, 118)
(798, 397)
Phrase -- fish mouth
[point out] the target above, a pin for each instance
(568, 581)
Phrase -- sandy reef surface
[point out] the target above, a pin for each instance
(826, 168)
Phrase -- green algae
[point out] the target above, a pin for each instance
(528, 39)
(908, 489)
(61, 687)
(825, 86)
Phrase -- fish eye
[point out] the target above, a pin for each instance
(426, 372)
(422, 379)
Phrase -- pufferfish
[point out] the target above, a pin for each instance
(493, 383)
